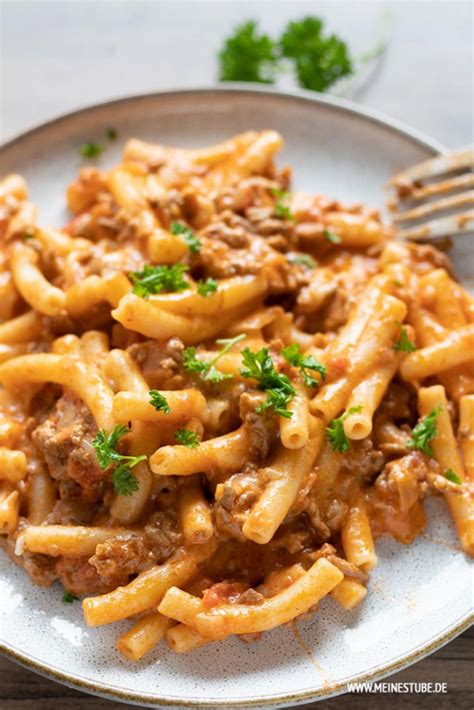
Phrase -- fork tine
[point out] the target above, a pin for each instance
(465, 199)
(436, 188)
(434, 167)
(443, 227)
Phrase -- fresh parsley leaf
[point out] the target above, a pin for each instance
(206, 369)
(187, 437)
(207, 287)
(260, 366)
(336, 434)
(91, 150)
(404, 343)
(111, 133)
(319, 60)
(27, 236)
(397, 283)
(302, 260)
(282, 208)
(332, 237)
(193, 243)
(69, 597)
(159, 401)
(156, 279)
(295, 357)
(424, 432)
(105, 446)
(452, 476)
(248, 56)
(123, 480)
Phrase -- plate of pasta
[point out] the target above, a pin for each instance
(236, 413)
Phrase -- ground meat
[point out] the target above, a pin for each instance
(239, 493)
(117, 559)
(262, 426)
(160, 363)
(80, 577)
(41, 568)
(223, 593)
(163, 534)
(362, 461)
(65, 441)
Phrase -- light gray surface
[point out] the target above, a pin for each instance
(58, 56)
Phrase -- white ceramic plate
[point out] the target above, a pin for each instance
(419, 596)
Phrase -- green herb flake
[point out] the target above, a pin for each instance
(111, 133)
(69, 597)
(91, 150)
(193, 243)
(260, 366)
(159, 402)
(404, 344)
(452, 476)
(282, 208)
(335, 431)
(105, 445)
(187, 437)
(332, 237)
(295, 357)
(206, 288)
(158, 279)
(424, 432)
(206, 369)
(302, 260)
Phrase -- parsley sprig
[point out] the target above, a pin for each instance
(194, 244)
(206, 369)
(187, 437)
(424, 432)
(159, 401)
(295, 357)
(248, 56)
(336, 434)
(157, 279)
(260, 366)
(105, 445)
(207, 288)
(282, 208)
(404, 344)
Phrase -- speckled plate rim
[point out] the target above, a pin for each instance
(440, 639)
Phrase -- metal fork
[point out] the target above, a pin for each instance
(423, 191)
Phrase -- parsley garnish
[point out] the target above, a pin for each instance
(156, 279)
(260, 366)
(159, 402)
(193, 243)
(293, 355)
(332, 237)
(187, 437)
(207, 370)
(302, 260)
(452, 476)
(91, 150)
(69, 598)
(319, 60)
(404, 343)
(248, 56)
(282, 208)
(105, 445)
(424, 432)
(111, 133)
(207, 287)
(336, 434)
